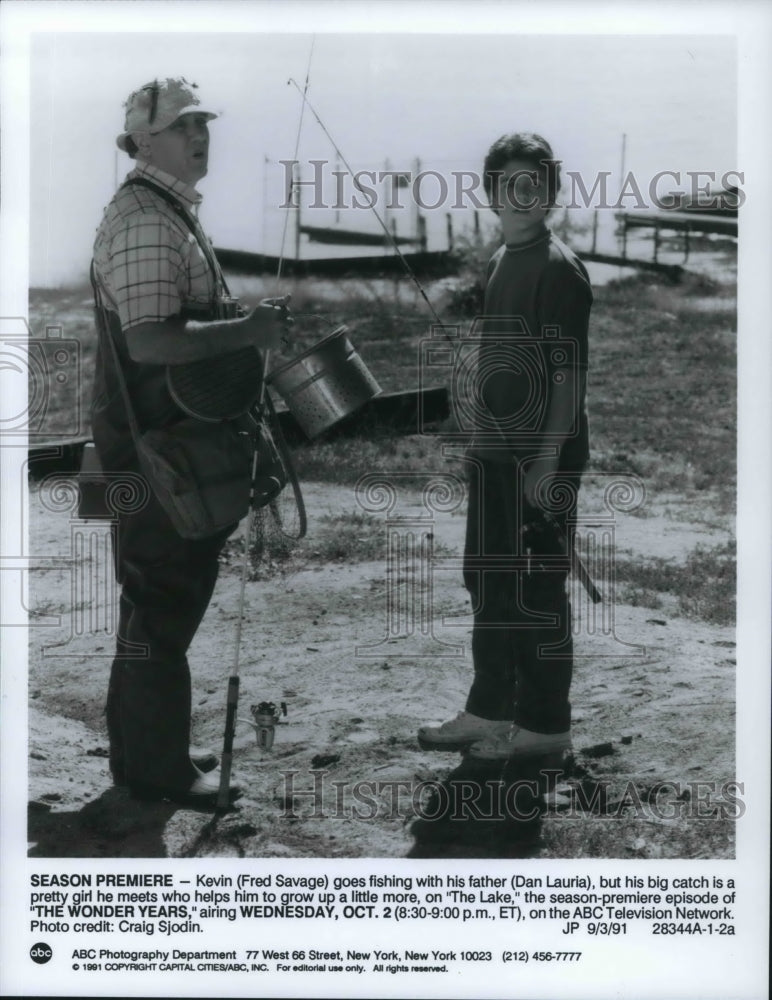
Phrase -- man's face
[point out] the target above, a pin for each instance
(182, 149)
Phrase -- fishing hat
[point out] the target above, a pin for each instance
(155, 106)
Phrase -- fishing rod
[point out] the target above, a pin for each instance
(576, 561)
(375, 211)
(232, 700)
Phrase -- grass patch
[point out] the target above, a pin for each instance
(661, 387)
(662, 393)
(356, 537)
(335, 538)
(345, 460)
(704, 586)
(599, 837)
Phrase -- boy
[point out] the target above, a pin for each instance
(529, 448)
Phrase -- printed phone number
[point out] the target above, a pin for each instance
(541, 956)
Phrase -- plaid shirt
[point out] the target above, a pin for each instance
(148, 264)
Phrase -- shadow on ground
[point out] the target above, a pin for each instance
(486, 810)
(114, 825)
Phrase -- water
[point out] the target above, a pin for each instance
(395, 97)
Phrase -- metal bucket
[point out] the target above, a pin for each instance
(326, 383)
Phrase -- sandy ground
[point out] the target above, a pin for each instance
(653, 695)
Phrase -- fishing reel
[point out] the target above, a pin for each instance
(266, 717)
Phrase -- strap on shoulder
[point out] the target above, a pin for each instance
(190, 221)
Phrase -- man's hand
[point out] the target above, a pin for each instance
(268, 323)
(177, 342)
(537, 470)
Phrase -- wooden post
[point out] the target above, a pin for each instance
(264, 247)
(656, 242)
(594, 230)
(422, 240)
(417, 187)
(449, 221)
(297, 220)
(621, 185)
(388, 218)
(477, 225)
(337, 210)
(687, 242)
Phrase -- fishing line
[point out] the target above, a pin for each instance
(577, 564)
(258, 542)
(303, 94)
(385, 228)
(232, 699)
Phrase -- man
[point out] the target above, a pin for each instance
(161, 290)
(529, 449)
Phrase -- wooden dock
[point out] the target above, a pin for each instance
(424, 263)
(694, 222)
(687, 223)
(338, 236)
(672, 271)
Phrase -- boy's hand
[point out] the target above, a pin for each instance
(537, 471)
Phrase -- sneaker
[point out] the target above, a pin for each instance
(519, 742)
(203, 792)
(202, 760)
(459, 733)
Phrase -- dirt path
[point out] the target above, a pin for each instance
(653, 699)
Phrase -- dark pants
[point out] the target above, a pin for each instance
(521, 641)
(166, 584)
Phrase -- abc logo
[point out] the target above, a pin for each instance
(41, 953)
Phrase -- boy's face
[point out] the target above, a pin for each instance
(520, 200)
